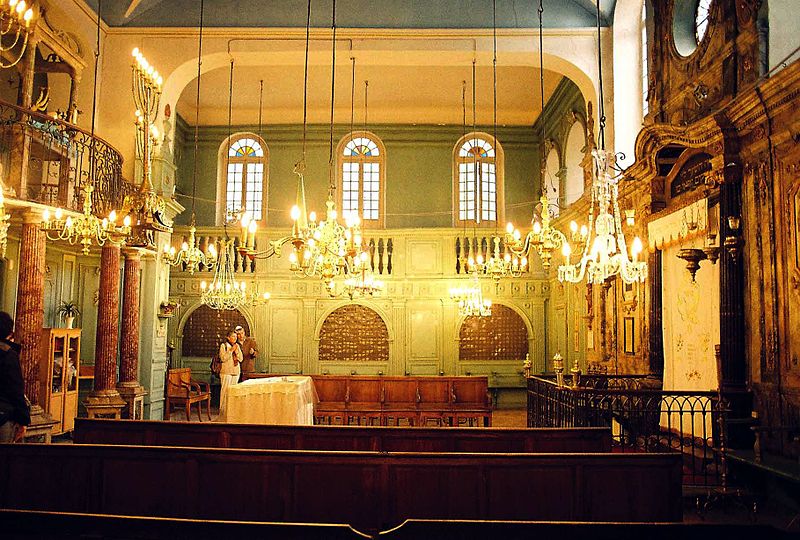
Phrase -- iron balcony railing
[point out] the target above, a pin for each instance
(642, 418)
(47, 160)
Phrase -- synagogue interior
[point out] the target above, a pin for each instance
(452, 269)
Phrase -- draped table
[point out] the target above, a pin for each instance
(285, 400)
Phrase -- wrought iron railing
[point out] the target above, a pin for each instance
(47, 160)
(641, 419)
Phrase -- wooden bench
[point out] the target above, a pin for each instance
(184, 391)
(370, 491)
(413, 401)
(345, 438)
(39, 525)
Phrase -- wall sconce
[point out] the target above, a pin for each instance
(693, 256)
(733, 242)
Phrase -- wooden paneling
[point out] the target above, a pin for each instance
(352, 438)
(368, 490)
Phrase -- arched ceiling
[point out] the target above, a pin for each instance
(354, 13)
(397, 95)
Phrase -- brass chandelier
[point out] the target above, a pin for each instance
(605, 252)
(327, 248)
(190, 254)
(16, 26)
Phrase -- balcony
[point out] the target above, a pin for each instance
(45, 160)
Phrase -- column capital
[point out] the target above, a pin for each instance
(32, 216)
(131, 253)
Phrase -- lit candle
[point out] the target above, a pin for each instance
(251, 240)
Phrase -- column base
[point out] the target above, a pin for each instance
(105, 404)
(41, 425)
(133, 394)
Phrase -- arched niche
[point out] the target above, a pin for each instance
(353, 333)
(204, 329)
(502, 336)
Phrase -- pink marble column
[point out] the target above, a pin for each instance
(30, 302)
(107, 339)
(129, 348)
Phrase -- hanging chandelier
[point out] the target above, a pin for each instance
(4, 218)
(470, 299)
(497, 265)
(225, 292)
(361, 283)
(325, 249)
(605, 251)
(16, 24)
(190, 254)
(86, 229)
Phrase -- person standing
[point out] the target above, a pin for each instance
(15, 413)
(249, 349)
(230, 354)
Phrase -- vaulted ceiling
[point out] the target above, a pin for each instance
(354, 13)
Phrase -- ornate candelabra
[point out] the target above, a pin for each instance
(86, 229)
(146, 88)
(361, 282)
(16, 26)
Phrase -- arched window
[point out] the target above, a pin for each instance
(243, 166)
(573, 157)
(701, 17)
(362, 174)
(552, 181)
(478, 179)
(353, 333)
(645, 61)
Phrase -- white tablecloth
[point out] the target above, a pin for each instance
(276, 400)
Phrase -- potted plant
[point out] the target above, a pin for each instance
(67, 311)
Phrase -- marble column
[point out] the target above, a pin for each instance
(104, 400)
(129, 388)
(30, 317)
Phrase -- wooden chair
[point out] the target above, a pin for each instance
(182, 389)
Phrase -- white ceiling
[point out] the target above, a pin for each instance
(397, 95)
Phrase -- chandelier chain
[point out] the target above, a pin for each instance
(197, 110)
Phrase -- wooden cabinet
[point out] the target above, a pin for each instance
(58, 375)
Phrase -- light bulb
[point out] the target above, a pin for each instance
(185, 247)
(584, 231)
(637, 247)
(135, 52)
(28, 16)
(573, 227)
(112, 217)
(537, 227)
(45, 215)
(566, 250)
(252, 227)
(127, 221)
(295, 213)
(312, 217)
(21, 7)
(203, 285)
(293, 258)
(58, 214)
(509, 227)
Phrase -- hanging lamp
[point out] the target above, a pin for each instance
(605, 253)
(190, 254)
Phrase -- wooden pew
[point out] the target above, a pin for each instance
(384, 400)
(376, 439)
(39, 525)
(369, 491)
(414, 529)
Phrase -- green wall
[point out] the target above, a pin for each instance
(418, 171)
